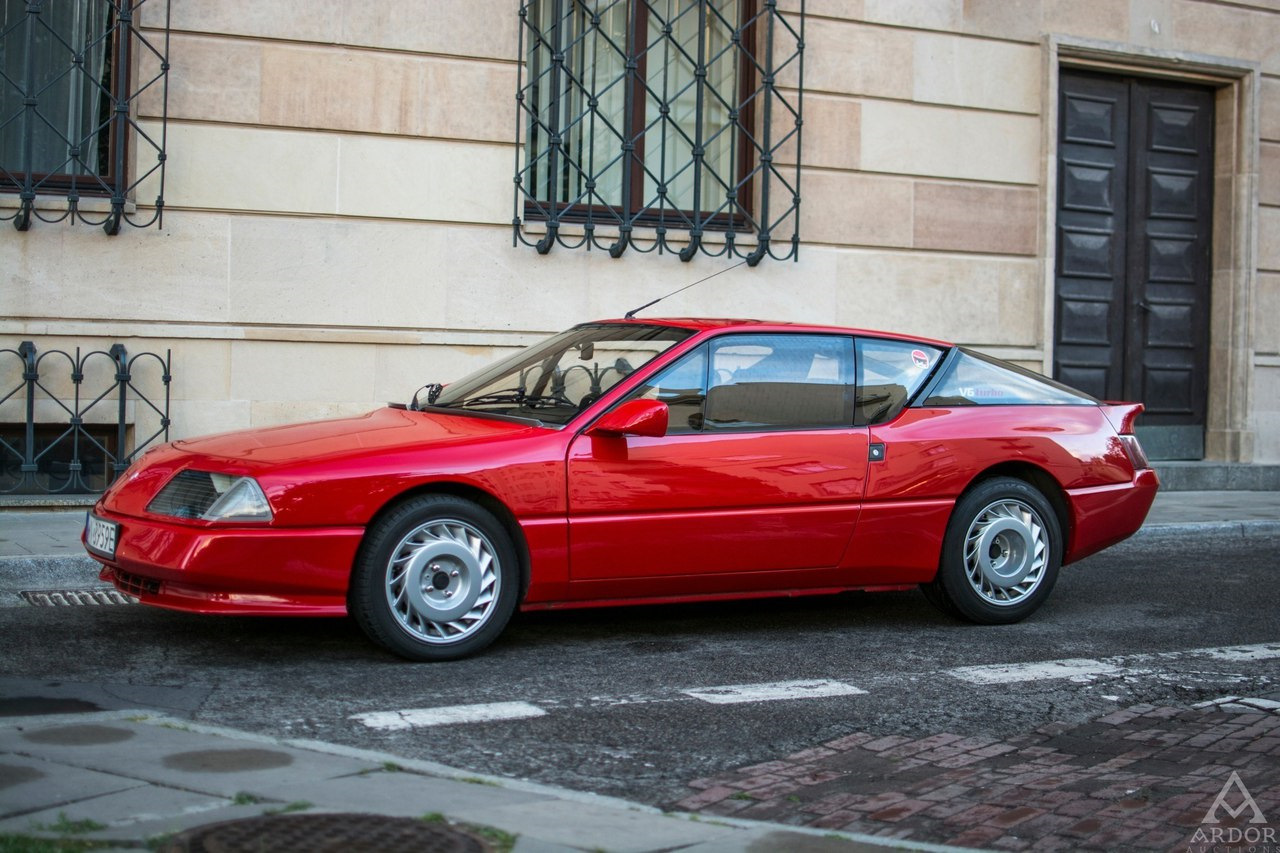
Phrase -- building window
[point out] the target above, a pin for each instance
(71, 75)
(663, 115)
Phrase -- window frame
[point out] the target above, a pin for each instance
(636, 91)
(115, 87)
(753, 200)
(126, 42)
(930, 379)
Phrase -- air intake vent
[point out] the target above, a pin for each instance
(187, 495)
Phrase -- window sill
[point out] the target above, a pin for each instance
(675, 236)
(86, 204)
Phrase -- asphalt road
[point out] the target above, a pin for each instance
(630, 702)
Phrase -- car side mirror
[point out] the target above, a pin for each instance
(634, 417)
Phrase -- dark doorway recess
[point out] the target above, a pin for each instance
(1134, 229)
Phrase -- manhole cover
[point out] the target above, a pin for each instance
(31, 706)
(325, 833)
(228, 760)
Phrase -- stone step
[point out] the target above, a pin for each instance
(1217, 477)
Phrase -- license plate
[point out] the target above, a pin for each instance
(101, 536)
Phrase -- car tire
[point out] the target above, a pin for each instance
(436, 579)
(1000, 555)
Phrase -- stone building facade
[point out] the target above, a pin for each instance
(338, 199)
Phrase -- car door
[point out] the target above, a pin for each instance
(761, 471)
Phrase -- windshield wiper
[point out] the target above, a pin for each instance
(516, 396)
(433, 390)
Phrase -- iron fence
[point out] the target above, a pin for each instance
(81, 418)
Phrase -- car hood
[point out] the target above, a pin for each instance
(381, 431)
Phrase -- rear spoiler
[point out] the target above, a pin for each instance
(1122, 415)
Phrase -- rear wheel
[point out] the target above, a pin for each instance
(436, 579)
(1000, 555)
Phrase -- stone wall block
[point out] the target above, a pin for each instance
(170, 274)
(1266, 310)
(1269, 174)
(290, 271)
(387, 93)
(832, 133)
(854, 59)
(1269, 239)
(969, 218)
(948, 143)
(1227, 31)
(225, 167)
(210, 79)
(970, 72)
(856, 209)
(945, 15)
(968, 300)
(299, 20)
(1269, 110)
(425, 179)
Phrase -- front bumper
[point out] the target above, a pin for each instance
(247, 570)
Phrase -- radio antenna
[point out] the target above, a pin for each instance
(634, 311)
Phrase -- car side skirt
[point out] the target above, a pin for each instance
(711, 596)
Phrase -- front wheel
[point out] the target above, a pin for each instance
(436, 579)
(1000, 555)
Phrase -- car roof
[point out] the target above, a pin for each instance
(704, 324)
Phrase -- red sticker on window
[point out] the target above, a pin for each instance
(920, 358)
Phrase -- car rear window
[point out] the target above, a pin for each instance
(978, 380)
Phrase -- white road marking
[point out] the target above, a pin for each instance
(1009, 673)
(1142, 664)
(1262, 651)
(449, 715)
(735, 693)
(1088, 668)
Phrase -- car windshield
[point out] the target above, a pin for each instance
(554, 380)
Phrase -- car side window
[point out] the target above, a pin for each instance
(682, 386)
(889, 374)
(779, 382)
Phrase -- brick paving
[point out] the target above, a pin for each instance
(1141, 778)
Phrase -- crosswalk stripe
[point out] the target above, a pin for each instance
(735, 693)
(449, 715)
(1009, 673)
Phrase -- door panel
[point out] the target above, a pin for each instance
(1134, 231)
(713, 503)
(1167, 354)
(1092, 194)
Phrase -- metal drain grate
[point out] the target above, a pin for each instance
(325, 833)
(75, 597)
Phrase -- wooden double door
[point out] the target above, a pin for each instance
(1134, 230)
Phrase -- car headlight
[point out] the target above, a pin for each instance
(212, 497)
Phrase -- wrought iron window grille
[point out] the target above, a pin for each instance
(71, 77)
(79, 451)
(648, 124)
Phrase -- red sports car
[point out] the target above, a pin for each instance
(633, 461)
